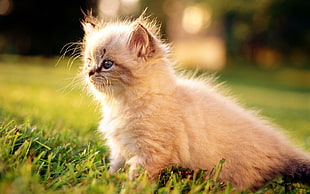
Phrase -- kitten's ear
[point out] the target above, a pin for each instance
(141, 41)
(89, 24)
(88, 27)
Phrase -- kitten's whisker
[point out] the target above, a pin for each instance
(73, 59)
(74, 83)
(74, 54)
(59, 59)
(73, 47)
(68, 46)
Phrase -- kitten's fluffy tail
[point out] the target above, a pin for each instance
(298, 171)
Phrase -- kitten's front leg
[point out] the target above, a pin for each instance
(117, 161)
(136, 162)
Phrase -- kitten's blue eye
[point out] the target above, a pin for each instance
(107, 64)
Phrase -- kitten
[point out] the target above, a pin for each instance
(155, 118)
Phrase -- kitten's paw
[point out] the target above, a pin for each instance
(136, 167)
(113, 169)
(135, 172)
(117, 162)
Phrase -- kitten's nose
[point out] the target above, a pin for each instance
(91, 72)
(94, 70)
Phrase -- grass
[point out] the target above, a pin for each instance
(49, 142)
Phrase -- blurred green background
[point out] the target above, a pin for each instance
(260, 48)
(268, 33)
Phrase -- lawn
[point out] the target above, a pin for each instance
(49, 142)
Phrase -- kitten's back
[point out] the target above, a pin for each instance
(218, 127)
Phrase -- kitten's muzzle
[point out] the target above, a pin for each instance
(95, 75)
(94, 70)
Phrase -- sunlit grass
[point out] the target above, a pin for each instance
(48, 135)
(46, 92)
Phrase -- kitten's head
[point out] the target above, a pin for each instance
(119, 55)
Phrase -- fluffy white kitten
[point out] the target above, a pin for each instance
(154, 118)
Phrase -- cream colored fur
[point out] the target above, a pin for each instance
(154, 118)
